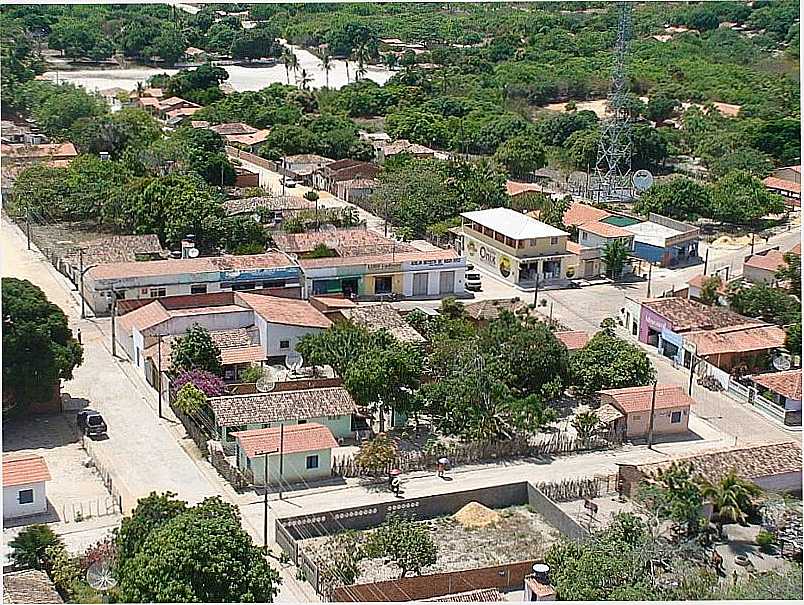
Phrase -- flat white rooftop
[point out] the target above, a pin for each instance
(652, 233)
(512, 224)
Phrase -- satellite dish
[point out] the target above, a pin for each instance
(99, 576)
(256, 216)
(642, 180)
(267, 382)
(192, 252)
(294, 361)
(781, 363)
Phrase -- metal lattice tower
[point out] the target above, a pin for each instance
(612, 178)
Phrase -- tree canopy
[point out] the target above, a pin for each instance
(609, 362)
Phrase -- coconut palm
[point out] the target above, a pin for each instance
(294, 64)
(732, 498)
(347, 69)
(362, 55)
(326, 65)
(286, 54)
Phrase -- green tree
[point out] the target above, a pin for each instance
(769, 304)
(520, 155)
(200, 555)
(196, 350)
(675, 494)
(56, 108)
(38, 346)
(791, 272)
(732, 498)
(129, 128)
(608, 362)
(792, 341)
(614, 255)
(377, 454)
(582, 147)
(677, 197)
(741, 199)
(661, 107)
(710, 290)
(190, 399)
(256, 43)
(407, 543)
(151, 512)
(29, 547)
(586, 425)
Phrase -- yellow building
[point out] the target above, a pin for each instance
(515, 247)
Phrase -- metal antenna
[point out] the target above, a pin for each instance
(612, 180)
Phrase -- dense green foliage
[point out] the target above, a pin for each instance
(168, 552)
(405, 542)
(195, 350)
(28, 548)
(38, 346)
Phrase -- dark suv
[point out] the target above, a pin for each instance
(91, 423)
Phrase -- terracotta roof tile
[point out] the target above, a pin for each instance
(482, 595)
(573, 340)
(578, 214)
(749, 462)
(773, 182)
(772, 260)
(179, 266)
(282, 202)
(296, 438)
(378, 258)
(29, 586)
(143, 317)
(20, 469)
(604, 229)
(233, 355)
(24, 151)
(687, 314)
(233, 128)
(736, 339)
(515, 188)
(787, 384)
(383, 317)
(796, 249)
(638, 399)
(116, 249)
(289, 311)
(350, 242)
(240, 410)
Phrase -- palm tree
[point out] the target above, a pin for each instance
(326, 65)
(294, 64)
(286, 53)
(362, 55)
(614, 255)
(732, 498)
(305, 79)
(347, 69)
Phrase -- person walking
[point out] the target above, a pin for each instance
(78, 335)
(395, 485)
(442, 466)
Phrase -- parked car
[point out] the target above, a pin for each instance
(289, 182)
(472, 281)
(91, 423)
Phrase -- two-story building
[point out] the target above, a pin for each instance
(515, 247)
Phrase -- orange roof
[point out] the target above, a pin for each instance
(736, 339)
(772, 260)
(143, 317)
(232, 355)
(605, 230)
(573, 340)
(333, 302)
(787, 384)
(297, 438)
(796, 249)
(515, 188)
(773, 182)
(148, 102)
(579, 214)
(45, 150)
(638, 399)
(289, 311)
(182, 111)
(22, 469)
(698, 282)
(399, 257)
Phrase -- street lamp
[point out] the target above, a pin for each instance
(265, 455)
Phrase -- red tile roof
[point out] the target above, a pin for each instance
(773, 182)
(787, 384)
(638, 399)
(796, 249)
(698, 282)
(233, 355)
(605, 230)
(297, 438)
(772, 260)
(578, 214)
(481, 595)
(21, 469)
(687, 314)
(180, 266)
(515, 188)
(276, 406)
(573, 340)
(143, 317)
(46, 150)
(289, 311)
(736, 339)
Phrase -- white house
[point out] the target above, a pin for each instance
(24, 478)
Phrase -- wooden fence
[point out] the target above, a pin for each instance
(468, 453)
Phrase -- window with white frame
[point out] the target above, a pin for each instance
(25, 496)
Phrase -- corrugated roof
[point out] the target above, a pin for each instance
(748, 462)
(240, 410)
(736, 339)
(288, 311)
(21, 469)
(383, 317)
(233, 355)
(787, 384)
(29, 586)
(294, 439)
(638, 399)
(513, 224)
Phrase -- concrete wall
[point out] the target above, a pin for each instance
(339, 426)
(13, 509)
(534, 247)
(637, 424)
(631, 315)
(294, 467)
(784, 482)
(272, 335)
(756, 275)
(554, 515)
(650, 320)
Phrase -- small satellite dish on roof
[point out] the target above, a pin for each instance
(781, 363)
(294, 361)
(256, 216)
(267, 382)
(642, 180)
(193, 252)
(99, 576)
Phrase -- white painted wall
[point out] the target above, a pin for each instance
(13, 509)
(271, 335)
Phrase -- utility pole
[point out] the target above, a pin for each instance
(536, 290)
(159, 369)
(652, 412)
(281, 456)
(114, 314)
(650, 274)
(753, 237)
(28, 225)
(693, 363)
(265, 497)
(81, 281)
(706, 260)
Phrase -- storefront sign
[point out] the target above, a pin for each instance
(488, 255)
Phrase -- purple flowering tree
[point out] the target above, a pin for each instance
(209, 383)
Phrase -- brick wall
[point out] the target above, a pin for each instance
(503, 577)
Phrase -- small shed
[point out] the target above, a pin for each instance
(295, 454)
(24, 492)
(671, 409)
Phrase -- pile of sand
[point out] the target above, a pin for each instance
(731, 243)
(475, 514)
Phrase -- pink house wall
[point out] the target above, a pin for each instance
(650, 319)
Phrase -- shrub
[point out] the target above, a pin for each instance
(207, 382)
(190, 399)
